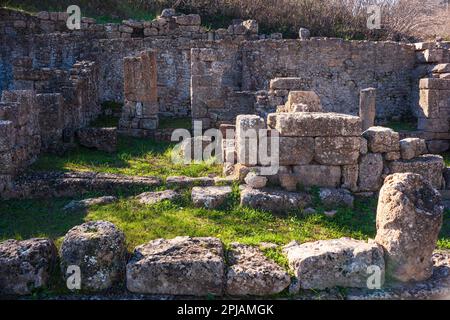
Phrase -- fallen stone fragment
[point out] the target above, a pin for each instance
(274, 200)
(98, 249)
(26, 265)
(381, 139)
(255, 181)
(180, 266)
(210, 197)
(186, 182)
(251, 273)
(155, 197)
(330, 263)
(88, 203)
(409, 218)
(336, 197)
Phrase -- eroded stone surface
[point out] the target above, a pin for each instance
(330, 263)
(210, 197)
(155, 197)
(88, 203)
(409, 218)
(251, 273)
(180, 266)
(98, 248)
(274, 200)
(381, 139)
(25, 265)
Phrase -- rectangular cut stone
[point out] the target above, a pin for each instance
(434, 103)
(180, 266)
(334, 263)
(289, 83)
(434, 83)
(296, 151)
(337, 150)
(350, 177)
(318, 175)
(140, 77)
(381, 139)
(431, 167)
(247, 131)
(370, 171)
(412, 147)
(433, 124)
(315, 124)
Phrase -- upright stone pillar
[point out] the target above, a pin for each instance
(367, 107)
(409, 218)
(140, 111)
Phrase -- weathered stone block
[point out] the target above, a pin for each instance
(330, 263)
(289, 83)
(98, 248)
(350, 175)
(274, 200)
(370, 171)
(381, 139)
(412, 147)
(367, 107)
(188, 20)
(431, 167)
(296, 151)
(247, 131)
(210, 197)
(434, 103)
(26, 265)
(180, 266)
(434, 83)
(251, 273)
(318, 175)
(315, 124)
(308, 98)
(337, 150)
(433, 124)
(409, 218)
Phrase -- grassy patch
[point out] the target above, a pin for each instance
(139, 157)
(31, 218)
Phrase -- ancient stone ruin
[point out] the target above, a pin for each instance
(327, 99)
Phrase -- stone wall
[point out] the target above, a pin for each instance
(335, 69)
(330, 150)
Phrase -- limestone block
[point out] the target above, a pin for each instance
(370, 171)
(431, 167)
(315, 124)
(180, 266)
(337, 150)
(330, 263)
(309, 98)
(318, 175)
(412, 147)
(409, 218)
(381, 139)
(296, 151)
(289, 83)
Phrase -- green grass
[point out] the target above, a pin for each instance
(35, 218)
(446, 156)
(137, 157)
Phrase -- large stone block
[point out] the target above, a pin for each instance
(247, 132)
(251, 273)
(318, 175)
(289, 83)
(409, 218)
(412, 147)
(315, 124)
(274, 200)
(434, 103)
(210, 197)
(180, 266)
(337, 150)
(308, 98)
(26, 265)
(431, 167)
(381, 139)
(98, 249)
(370, 171)
(334, 263)
(296, 151)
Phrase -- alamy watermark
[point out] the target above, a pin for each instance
(74, 20)
(374, 19)
(73, 273)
